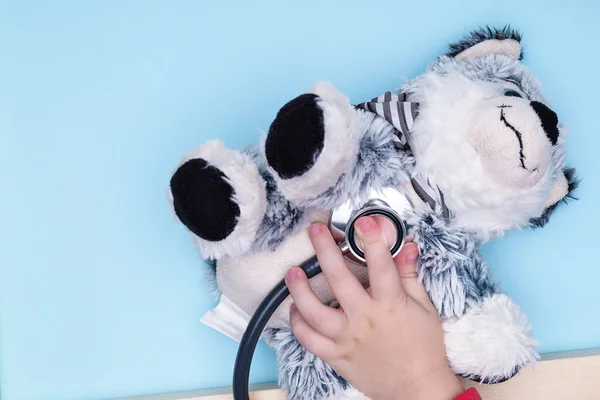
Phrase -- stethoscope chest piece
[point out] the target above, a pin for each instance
(389, 221)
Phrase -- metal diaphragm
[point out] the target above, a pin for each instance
(375, 208)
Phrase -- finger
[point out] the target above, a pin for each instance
(312, 340)
(406, 261)
(387, 229)
(383, 275)
(347, 289)
(406, 264)
(325, 320)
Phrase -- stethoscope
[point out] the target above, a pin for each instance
(350, 248)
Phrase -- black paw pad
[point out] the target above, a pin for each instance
(202, 199)
(296, 137)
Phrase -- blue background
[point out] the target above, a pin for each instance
(101, 290)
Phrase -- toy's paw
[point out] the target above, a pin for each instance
(490, 343)
(313, 141)
(219, 196)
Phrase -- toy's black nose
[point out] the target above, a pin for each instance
(549, 120)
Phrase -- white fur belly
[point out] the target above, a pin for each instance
(247, 280)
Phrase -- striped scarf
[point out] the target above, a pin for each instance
(401, 114)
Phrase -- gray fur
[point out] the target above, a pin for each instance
(282, 218)
(450, 265)
(491, 68)
(379, 164)
(210, 279)
(303, 375)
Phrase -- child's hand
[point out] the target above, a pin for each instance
(387, 341)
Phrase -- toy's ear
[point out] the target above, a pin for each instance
(561, 191)
(488, 41)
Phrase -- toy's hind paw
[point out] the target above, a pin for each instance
(490, 343)
(219, 196)
(312, 142)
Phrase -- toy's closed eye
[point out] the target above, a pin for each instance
(512, 93)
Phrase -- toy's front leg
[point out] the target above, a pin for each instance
(487, 337)
(323, 151)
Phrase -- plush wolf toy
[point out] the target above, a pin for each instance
(472, 144)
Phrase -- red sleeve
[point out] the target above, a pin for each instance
(470, 394)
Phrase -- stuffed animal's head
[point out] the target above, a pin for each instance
(488, 137)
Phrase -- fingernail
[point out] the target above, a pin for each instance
(315, 229)
(293, 307)
(365, 224)
(412, 252)
(408, 239)
(292, 275)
